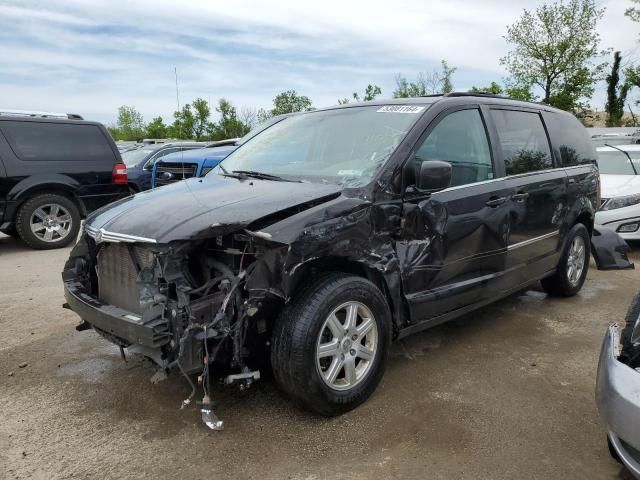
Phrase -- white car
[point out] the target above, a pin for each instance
(620, 190)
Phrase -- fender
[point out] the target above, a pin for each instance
(53, 181)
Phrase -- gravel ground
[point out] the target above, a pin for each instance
(506, 392)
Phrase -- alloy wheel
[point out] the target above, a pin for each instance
(347, 346)
(576, 260)
(50, 222)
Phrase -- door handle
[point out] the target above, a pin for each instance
(520, 196)
(495, 201)
(572, 181)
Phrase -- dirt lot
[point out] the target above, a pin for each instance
(504, 393)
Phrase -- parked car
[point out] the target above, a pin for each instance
(618, 389)
(182, 165)
(330, 233)
(140, 161)
(54, 170)
(614, 136)
(620, 183)
(127, 146)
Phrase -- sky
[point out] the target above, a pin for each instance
(90, 57)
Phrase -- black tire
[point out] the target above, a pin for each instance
(297, 332)
(631, 320)
(23, 221)
(559, 284)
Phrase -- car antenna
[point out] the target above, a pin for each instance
(628, 156)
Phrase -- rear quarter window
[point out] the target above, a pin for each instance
(571, 140)
(50, 142)
(523, 140)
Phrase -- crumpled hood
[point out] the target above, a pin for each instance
(619, 185)
(196, 206)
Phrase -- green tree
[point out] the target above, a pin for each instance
(633, 12)
(446, 75)
(130, 124)
(192, 121)
(432, 83)
(229, 125)
(156, 129)
(616, 94)
(493, 89)
(290, 102)
(201, 114)
(554, 48)
(520, 92)
(517, 92)
(370, 93)
(183, 123)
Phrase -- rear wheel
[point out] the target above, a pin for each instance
(330, 344)
(48, 221)
(573, 265)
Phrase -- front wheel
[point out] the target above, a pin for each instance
(330, 344)
(573, 265)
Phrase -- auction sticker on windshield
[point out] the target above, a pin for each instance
(400, 109)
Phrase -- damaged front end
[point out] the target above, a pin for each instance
(183, 304)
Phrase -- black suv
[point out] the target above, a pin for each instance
(53, 172)
(330, 233)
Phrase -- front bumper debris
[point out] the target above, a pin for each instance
(133, 329)
(610, 250)
(618, 399)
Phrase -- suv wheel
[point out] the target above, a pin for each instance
(330, 344)
(48, 221)
(573, 265)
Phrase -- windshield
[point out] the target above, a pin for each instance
(133, 157)
(616, 163)
(345, 146)
(612, 140)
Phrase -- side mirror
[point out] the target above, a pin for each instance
(434, 175)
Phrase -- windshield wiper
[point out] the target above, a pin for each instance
(228, 174)
(263, 176)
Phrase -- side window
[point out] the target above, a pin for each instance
(49, 141)
(160, 154)
(460, 139)
(574, 143)
(523, 140)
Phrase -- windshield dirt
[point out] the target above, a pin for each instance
(345, 146)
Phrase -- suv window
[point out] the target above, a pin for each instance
(523, 140)
(573, 140)
(44, 141)
(460, 139)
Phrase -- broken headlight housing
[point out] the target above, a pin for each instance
(621, 202)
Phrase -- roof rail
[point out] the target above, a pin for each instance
(30, 113)
(476, 94)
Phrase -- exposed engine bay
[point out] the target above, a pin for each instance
(191, 299)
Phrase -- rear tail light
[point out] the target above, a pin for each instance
(119, 174)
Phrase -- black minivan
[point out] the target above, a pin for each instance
(54, 170)
(331, 233)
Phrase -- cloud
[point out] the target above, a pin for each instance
(91, 57)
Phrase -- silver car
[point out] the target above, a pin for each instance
(618, 389)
